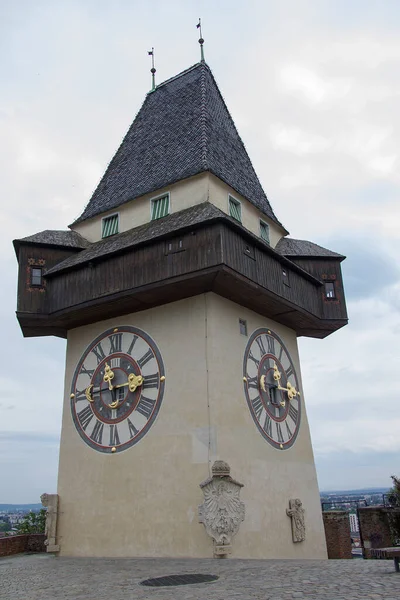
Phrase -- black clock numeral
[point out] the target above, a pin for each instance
(151, 381)
(97, 433)
(85, 416)
(279, 433)
(268, 425)
(293, 412)
(145, 406)
(99, 353)
(260, 345)
(254, 359)
(289, 432)
(114, 437)
(115, 343)
(132, 344)
(88, 372)
(252, 382)
(80, 395)
(271, 344)
(132, 429)
(280, 354)
(289, 371)
(145, 358)
(257, 406)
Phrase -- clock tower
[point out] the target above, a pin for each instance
(181, 297)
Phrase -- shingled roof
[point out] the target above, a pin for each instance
(183, 128)
(52, 237)
(303, 249)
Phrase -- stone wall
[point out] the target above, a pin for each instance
(15, 544)
(337, 533)
(374, 528)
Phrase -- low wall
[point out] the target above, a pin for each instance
(374, 528)
(337, 533)
(15, 544)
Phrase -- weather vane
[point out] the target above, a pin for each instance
(152, 70)
(201, 41)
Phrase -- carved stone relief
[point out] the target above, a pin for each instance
(296, 513)
(50, 501)
(222, 511)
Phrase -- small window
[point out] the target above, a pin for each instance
(160, 207)
(264, 231)
(330, 290)
(36, 276)
(235, 209)
(243, 327)
(110, 225)
(285, 277)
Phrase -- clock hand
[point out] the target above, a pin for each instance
(290, 389)
(134, 381)
(108, 376)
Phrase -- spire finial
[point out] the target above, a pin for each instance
(152, 70)
(201, 41)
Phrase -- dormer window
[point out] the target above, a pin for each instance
(110, 225)
(235, 209)
(264, 231)
(160, 207)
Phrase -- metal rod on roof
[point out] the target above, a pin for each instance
(152, 70)
(201, 41)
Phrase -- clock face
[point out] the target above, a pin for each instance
(272, 388)
(117, 389)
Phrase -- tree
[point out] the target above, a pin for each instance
(394, 492)
(394, 513)
(5, 526)
(33, 522)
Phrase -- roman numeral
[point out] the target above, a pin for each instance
(132, 344)
(293, 412)
(260, 345)
(271, 344)
(88, 372)
(97, 433)
(289, 371)
(151, 381)
(115, 343)
(257, 406)
(99, 353)
(132, 429)
(114, 437)
(252, 382)
(280, 354)
(145, 358)
(80, 395)
(254, 359)
(85, 416)
(279, 433)
(145, 406)
(268, 425)
(288, 430)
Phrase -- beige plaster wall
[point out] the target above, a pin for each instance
(144, 501)
(189, 192)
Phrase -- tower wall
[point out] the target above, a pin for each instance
(144, 501)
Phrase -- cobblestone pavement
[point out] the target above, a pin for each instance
(42, 577)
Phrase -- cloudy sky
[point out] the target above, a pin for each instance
(314, 89)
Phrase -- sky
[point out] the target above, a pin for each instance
(313, 87)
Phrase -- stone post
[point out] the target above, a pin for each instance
(337, 533)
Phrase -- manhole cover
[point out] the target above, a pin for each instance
(179, 579)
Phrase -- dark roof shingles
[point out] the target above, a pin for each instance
(303, 248)
(183, 128)
(50, 237)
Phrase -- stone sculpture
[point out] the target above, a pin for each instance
(222, 511)
(50, 501)
(296, 513)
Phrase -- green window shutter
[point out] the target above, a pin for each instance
(160, 208)
(110, 226)
(235, 210)
(264, 231)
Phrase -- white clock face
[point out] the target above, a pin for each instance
(272, 389)
(117, 389)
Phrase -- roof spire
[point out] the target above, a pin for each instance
(201, 41)
(152, 70)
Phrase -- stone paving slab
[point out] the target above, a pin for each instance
(45, 577)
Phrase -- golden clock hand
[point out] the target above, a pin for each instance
(108, 376)
(277, 374)
(291, 391)
(134, 381)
